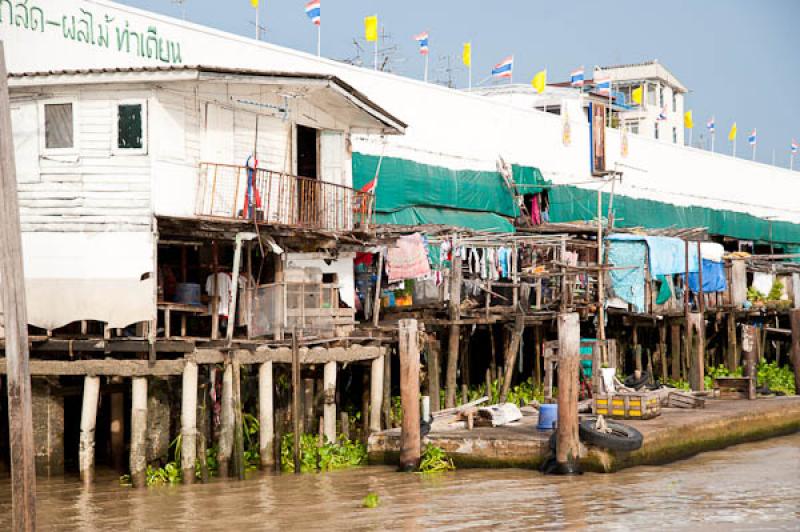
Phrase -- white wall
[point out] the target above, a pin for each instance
(445, 126)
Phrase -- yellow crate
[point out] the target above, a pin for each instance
(637, 405)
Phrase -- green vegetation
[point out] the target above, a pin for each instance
(371, 500)
(435, 460)
(521, 394)
(776, 378)
(329, 456)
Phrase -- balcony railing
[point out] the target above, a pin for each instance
(238, 192)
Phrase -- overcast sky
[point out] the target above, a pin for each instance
(738, 58)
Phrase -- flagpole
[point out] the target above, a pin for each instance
(690, 136)
(754, 150)
(791, 162)
(734, 146)
(713, 136)
(376, 52)
(426, 68)
(258, 23)
(469, 70)
(319, 39)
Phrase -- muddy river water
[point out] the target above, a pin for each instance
(746, 487)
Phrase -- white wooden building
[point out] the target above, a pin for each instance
(103, 153)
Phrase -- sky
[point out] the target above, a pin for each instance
(737, 57)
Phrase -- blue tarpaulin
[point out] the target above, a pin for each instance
(667, 254)
(713, 278)
(628, 283)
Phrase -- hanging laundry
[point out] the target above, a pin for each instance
(664, 290)
(408, 259)
(536, 214)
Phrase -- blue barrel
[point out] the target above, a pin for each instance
(548, 416)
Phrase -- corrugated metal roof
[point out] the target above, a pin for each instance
(203, 69)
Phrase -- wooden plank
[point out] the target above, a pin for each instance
(12, 279)
(283, 355)
(113, 367)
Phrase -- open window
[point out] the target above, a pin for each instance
(58, 127)
(130, 130)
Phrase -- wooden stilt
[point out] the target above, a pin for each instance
(375, 396)
(266, 416)
(567, 442)
(138, 457)
(675, 333)
(662, 349)
(202, 427)
(732, 355)
(409, 395)
(329, 409)
(225, 447)
(749, 339)
(12, 300)
(308, 405)
(511, 354)
(189, 421)
(696, 326)
(453, 343)
(387, 390)
(795, 352)
(434, 353)
(296, 401)
(91, 394)
(118, 431)
(238, 422)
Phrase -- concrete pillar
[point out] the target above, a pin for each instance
(376, 394)
(189, 421)
(329, 410)
(158, 420)
(91, 394)
(138, 457)
(266, 415)
(48, 426)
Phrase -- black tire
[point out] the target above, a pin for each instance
(632, 382)
(621, 438)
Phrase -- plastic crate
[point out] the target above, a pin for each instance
(637, 405)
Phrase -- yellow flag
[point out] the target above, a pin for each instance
(371, 28)
(466, 55)
(539, 81)
(732, 134)
(688, 121)
(254, 3)
(636, 95)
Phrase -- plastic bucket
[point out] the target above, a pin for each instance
(187, 293)
(548, 416)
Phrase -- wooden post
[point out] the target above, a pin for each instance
(375, 395)
(296, 400)
(409, 395)
(329, 394)
(696, 326)
(732, 358)
(226, 422)
(567, 442)
(511, 354)
(453, 344)
(749, 339)
(675, 332)
(138, 457)
(387, 389)
(308, 405)
(91, 394)
(376, 302)
(434, 353)
(662, 348)
(344, 425)
(266, 415)
(12, 281)
(118, 431)
(795, 352)
(189, 421)
(238, 428)
(202, 428)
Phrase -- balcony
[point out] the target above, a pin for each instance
(242, 193)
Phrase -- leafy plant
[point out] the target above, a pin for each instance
(329, 456)
(776, 291)
(371, 500)
(754, 295)
(435, 460)
(776, 378)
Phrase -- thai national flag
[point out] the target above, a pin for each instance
(752, 139)
(504, 68)
(602, 85)
(710, 126)
(313, 11)
(422, 39)
(794, 146)
(576, 78)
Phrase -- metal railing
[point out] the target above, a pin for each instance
(230, 191)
